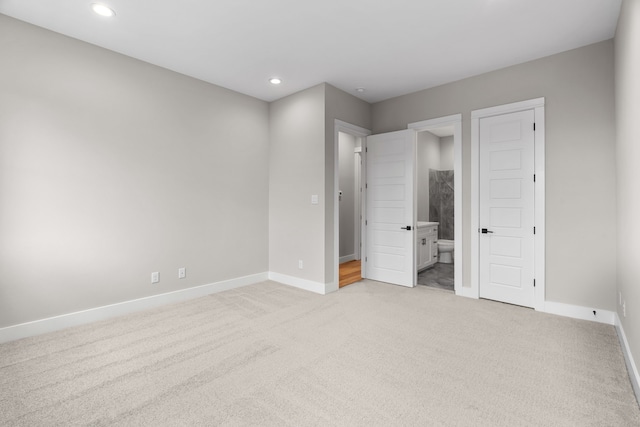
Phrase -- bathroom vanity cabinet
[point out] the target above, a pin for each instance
(426, 244)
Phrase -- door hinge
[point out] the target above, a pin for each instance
(534, 283)
(534, 230)
(366, 259)
(366, 222)
(534, 126)
(366, 185)
(534, 177)
(366, 149)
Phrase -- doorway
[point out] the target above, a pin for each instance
(435, 186)
(454, 121)
(508, 203)
(443, 161)
(349, 205)
(348, 202)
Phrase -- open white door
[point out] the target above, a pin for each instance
(390, 216)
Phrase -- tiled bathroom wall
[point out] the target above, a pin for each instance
(441, 201)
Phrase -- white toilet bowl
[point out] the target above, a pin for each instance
(445, 251)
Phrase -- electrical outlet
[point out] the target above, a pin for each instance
(155, 277)
(624, 309)
(300, 264)
(182, 273)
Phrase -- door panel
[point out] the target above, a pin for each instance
(507, 208)
(390, 207)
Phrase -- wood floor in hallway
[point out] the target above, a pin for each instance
(349, 273)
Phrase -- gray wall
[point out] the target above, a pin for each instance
(346, 107)
(111, 168)
(301, 163)
(347, 145)
(428, 157)
(627, 49)
(446, 153)
(297, 171)
(580, 164)
(149, 170)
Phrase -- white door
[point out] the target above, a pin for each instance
(507, 208)
(390, 216)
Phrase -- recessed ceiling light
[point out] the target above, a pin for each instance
(360, 89)
(275, 81)
(103, 10)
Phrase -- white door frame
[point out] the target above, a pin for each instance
(357, 190)
(539, 195)
(357, 131)
(455, 121)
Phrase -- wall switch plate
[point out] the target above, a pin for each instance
(620, 298)
(624, 309)
(300, 264)
(182, 273)
(155, 277)
(314, 199)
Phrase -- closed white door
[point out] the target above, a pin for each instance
(507, 208)
(390, 217)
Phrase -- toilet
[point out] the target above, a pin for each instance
(445, 251)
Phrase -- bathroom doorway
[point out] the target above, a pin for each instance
(435, 208)
(439, 203)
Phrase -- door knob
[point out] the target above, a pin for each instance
(408, 228)
(485, 231)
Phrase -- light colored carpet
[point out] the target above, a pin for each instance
(370, 354)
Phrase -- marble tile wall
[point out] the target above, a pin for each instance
(441, 202)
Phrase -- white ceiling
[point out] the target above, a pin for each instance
(389, 47)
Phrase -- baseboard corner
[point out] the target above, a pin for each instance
(297, 282)
(579, 312)
(347, 258)
(632, 368)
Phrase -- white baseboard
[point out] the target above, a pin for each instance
(56, 323)
(331, 287)
(347, 258)
(632, 368)
(467, 291)
(307, 285)
(579, 312)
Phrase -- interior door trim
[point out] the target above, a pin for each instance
(539, 194)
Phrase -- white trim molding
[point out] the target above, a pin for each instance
(537, 105)
(77, 318)
(579, 312)
(632, 368)
(454, 120)
(347, 258)
(307, 285)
